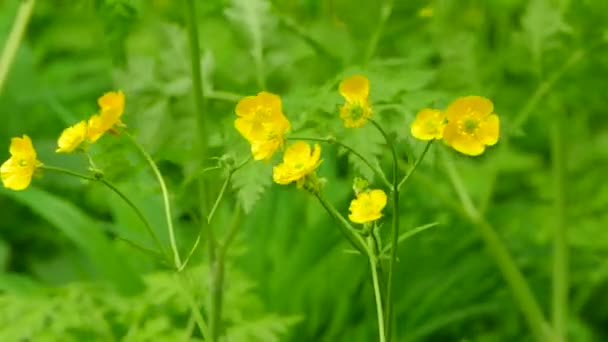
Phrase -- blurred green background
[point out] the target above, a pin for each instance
(66, 274)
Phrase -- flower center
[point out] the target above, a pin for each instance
(23, 163)
(262, 114)
(469, 126)
(356, 111)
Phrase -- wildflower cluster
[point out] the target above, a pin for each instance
(18, 170)
(468, 125)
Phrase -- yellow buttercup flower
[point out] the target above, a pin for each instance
(429, 124)
(367, 207)
(299, 161)
(472, 125)
(72, 137)
(356, 109)
(17, 171)
(112, 106)
(261, 121)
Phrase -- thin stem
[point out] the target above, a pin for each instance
(197, 81)
(394, 230)
(14, 38)
(374, 169)
(377, 295)
(166, 203)
(345, 227)
(409, 234)
(120, 194)
(385, 13)
(519, 287)
(544, 87)
(219, 197)
(560, 235)
(416, 163)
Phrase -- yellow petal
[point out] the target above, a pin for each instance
(112, 100)
(96, 127)
(271, 101)
(477, 106)
(355, 88)
(489, 130)
(22, 147)
(15, 176)
(72, 137)
(247, 106)
(297, 153)
(378, 198)
(428, 125)
(463, 143)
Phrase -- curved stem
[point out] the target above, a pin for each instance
(219, 198)
(385, 13)
(345, 227)
(520, 289)
(394, 230)
(120, 194)
(14, 38)
(377, 295)
(416, 163)
(374, 169)
(560, 234)
(166, 202)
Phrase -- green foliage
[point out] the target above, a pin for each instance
(69, 266)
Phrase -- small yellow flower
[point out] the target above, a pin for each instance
(17, 171)
(299, 161)
(356, 109)
(367, 207)
(261, 121)
(472, 125)
(112, 106)
(429, 124)
(72, 137)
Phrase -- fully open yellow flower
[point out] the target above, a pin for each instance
(429, 124)
(472, 125)
(367, 207)
(261, 121)
(112, 106)
(17, 171)
(356, 109)
(72, 137)
(299, 161)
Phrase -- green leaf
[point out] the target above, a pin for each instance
(250, 182)
(85, 233)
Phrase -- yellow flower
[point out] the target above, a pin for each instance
(17, 171)
(356, 109)
(298, 162)
(72, 137)
(472, 125)
(112, 106)
(429, 124)
(367, 207)
(261, 121)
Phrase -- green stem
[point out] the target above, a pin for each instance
(166, 203)
(120, 194)
(219, 198)
(345, 227)
(385, 13)
(560, 238)
(181, 280)
(544, 88)
(14, 38)
(377, 294)
(374, 169)
(416, 163)
(195, 61)
(394, 230)
(519, 287)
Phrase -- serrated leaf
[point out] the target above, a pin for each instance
(250, 182)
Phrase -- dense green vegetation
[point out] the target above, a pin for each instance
(77, 263)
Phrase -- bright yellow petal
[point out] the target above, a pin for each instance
(378, 198)
(489, 130)
(15, 176)
(297, 153)
(247, 106)
(428, 125)
(112, 99)
(478, 106)
(464, 143)
(22, 147)
(315, 159)
(281, 174)
(270, 101)
(72, 137)
(355, 88)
